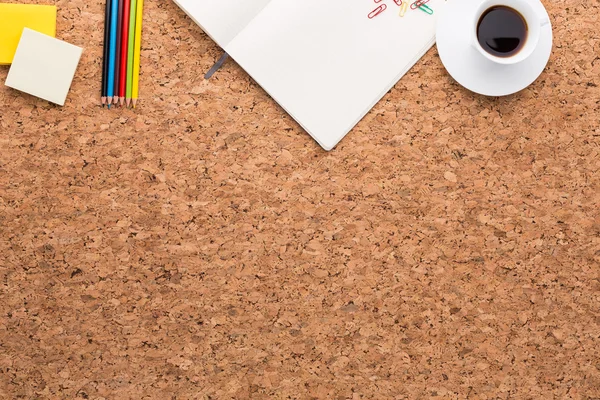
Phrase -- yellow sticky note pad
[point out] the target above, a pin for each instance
(15, 17)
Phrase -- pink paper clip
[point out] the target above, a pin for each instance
(378, 11)
(418, 4)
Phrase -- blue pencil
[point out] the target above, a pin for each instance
(112, 52)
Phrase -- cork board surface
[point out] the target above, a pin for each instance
(204, 247)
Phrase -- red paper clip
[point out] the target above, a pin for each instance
(398, 2)
(418, 4)
(378, 1)
(378, 11)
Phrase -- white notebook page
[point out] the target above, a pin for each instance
(326, 63)
(222, 20)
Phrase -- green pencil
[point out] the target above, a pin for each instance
(130, 48)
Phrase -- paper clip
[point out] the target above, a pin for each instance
(418, 4)
(377, 11)
(403, 9)
(398, 2)
(378, 1)
(426, 9)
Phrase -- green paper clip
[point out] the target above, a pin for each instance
(426, 9)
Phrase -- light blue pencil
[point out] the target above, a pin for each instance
(112, 52)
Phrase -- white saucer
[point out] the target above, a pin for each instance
(475, 72)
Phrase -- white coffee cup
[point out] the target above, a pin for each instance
(533, 16)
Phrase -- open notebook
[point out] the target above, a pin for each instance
(324, 61)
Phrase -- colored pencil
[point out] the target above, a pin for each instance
(118, 56)
(130, 46)
(135, 88)
(124, 51)
(106, 47)
(110, 85)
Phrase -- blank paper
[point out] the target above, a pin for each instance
(326, 63)
(222, 20)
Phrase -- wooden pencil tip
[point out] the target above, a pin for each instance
(128, 103)
(109, 106)
(134, 101)
(122, 99)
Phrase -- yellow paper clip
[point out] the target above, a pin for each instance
(426, 9)
(403, 8)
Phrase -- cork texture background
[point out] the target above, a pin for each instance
(203, 246)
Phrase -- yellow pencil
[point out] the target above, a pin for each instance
(137, 52)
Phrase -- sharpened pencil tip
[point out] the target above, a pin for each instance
(109, 106)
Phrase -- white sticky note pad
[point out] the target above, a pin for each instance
(43, 66)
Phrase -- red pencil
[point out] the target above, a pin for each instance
(118, 52)
(124, 46)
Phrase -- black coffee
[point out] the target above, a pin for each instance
(502, 31)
